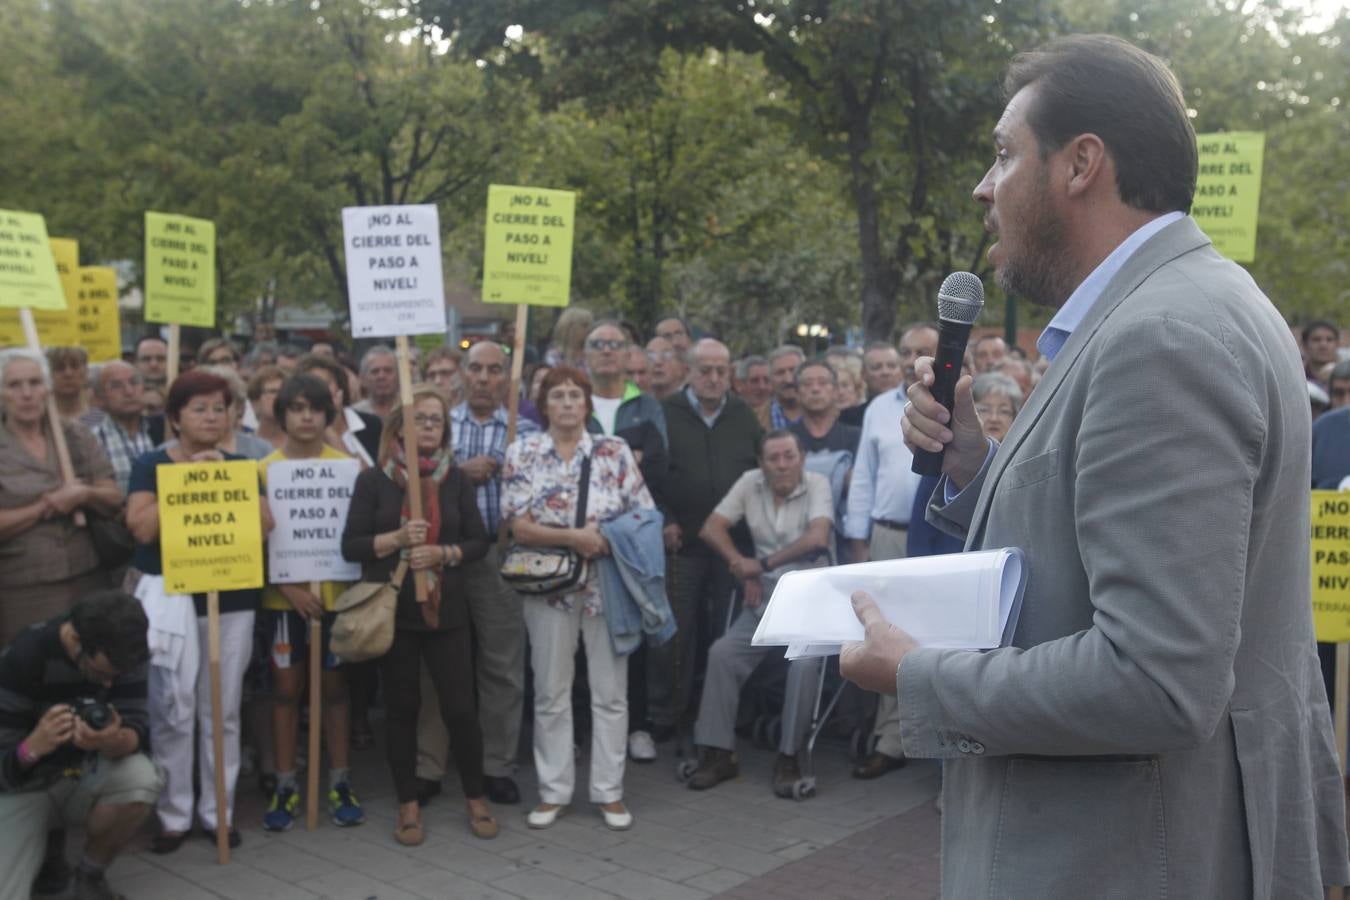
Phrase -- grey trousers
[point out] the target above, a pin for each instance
(499, 640)
(730, 662)
(888, 543)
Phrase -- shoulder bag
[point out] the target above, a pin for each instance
(550, 570)
(364, 626)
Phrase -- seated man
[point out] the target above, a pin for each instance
(73, 722)
(790, 515)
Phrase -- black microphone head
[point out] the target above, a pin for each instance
(960, 298)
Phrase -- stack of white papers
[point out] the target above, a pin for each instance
(963, 601)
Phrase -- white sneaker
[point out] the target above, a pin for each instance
(641, 747)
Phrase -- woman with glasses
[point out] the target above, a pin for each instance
(198, 412)
(381, 532)
(997, 402)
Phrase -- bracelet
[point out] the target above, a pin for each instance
(26, 756)
(764, 563)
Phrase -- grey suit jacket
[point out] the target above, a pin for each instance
(1159, 727)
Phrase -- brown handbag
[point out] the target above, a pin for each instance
(364, 626)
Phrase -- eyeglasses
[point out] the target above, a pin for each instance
(606, 344)
(659, 355)
(438, 374)
(422, 421)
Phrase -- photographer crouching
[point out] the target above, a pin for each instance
(73, 724)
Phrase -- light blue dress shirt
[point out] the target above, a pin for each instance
(883, 486)
(1080, 302)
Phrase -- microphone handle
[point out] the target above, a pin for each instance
(951, 354)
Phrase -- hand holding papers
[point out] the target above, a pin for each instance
(966, 601)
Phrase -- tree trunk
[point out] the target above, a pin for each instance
(878, 278)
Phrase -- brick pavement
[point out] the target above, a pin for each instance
(877, 839)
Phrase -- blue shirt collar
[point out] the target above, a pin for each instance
(1075, 309)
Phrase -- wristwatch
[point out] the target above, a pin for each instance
(764, 563)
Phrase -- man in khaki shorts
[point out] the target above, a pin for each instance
(73, 722)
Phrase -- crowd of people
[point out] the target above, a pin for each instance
(682, 482)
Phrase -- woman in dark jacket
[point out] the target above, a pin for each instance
(436, 546)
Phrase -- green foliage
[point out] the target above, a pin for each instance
(750, 164)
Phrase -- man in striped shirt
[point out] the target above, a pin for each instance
(73, 724)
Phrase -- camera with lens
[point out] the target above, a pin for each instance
(95, 713)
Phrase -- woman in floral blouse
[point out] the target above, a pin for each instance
(540, 487)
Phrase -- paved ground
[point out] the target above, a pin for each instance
(859, 840)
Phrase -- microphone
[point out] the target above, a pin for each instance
(959, 302)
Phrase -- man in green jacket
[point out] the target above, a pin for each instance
(714, 437)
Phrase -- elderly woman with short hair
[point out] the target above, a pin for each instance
(47, 561)
(198, 411)
(541, 488)
(998, 399)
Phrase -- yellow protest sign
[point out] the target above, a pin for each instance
(97, 324)
(1331, 565)
(210, 530)
(27, 270)
(527, 250)
(180, 270)
(55, 327)
(1228, 190)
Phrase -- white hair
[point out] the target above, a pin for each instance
(14, 354)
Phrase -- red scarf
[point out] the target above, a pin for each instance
(433, 470)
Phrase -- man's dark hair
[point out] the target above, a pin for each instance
(1339, 372)
(1102, 85)
(1319, 325)
(782, 433)
(112, 623)
(307, 388)
(311, 362)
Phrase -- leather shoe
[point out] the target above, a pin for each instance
(876, 765)
(167, 842)
(501, 789)
(234, 837)
(427, 790)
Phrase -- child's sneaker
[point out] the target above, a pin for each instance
(280, 815)
(343, 807)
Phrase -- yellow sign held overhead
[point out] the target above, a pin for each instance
(55, 327)
(1331, 565)
(27, 270)
(180, 270)
(527, 249)
(1228, 190)
(98, 326)
(210, 526)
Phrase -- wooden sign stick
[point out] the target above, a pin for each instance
(420, 582)
(175, 339)
(1341, 717)
(218, 729)
(513, 395)
(53, 414)
(315, 712)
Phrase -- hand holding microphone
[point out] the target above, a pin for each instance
(939, 423)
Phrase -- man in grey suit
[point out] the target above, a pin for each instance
(1158, 727)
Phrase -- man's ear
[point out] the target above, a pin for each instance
(1086, 163)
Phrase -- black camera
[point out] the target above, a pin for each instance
(95, 713)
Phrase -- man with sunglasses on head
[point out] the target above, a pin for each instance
(73, 729)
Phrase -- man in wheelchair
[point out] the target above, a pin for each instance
(790, 514)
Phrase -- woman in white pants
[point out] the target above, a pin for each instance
(540, 490)
(197, 409)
